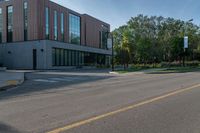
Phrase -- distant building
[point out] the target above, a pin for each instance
(40, 34)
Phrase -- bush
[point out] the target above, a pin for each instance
(193, 63)
(178, 64)
(144, 66)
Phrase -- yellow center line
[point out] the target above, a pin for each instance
(90, 120)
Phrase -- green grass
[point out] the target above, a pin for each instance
(130, 70)
(160, 70)
(177, 70)
(133, 69)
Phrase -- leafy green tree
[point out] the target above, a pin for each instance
(149, 39)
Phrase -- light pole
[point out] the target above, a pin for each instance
(110, 36)
(185, 41)
(113, 67)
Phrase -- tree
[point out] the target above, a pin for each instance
(148, 38)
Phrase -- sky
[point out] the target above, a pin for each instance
(118, 12)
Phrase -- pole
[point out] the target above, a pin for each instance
(113, 67)
(184, 46)
(184, 58)
(185, 30)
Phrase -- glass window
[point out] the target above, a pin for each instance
(66, 58)
(104, 39)
(74, 29)
(61, 57)
(55, 25)
(53, 56)
(82, 58)
(77, 58)
(69, 58)
(47, 23)
(62, 26)
(9, 23)
(57, 57)
(1, 25)
(25, 21)
(72, 58)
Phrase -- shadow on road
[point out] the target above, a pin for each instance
(52, 81)
(4, 128)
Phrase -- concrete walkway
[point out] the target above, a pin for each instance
(10, 78)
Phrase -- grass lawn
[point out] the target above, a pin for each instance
(177, 70)
(160, 70)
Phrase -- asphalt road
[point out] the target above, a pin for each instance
(91, 102)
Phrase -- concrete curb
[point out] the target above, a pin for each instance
(12, 81)
(113, 73)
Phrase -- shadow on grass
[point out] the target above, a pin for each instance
(175, 70)
(50, 82)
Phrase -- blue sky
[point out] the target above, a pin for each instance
(118, 12)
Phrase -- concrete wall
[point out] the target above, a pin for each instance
(20, 55)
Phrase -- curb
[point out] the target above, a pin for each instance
(4, 85)
(113, 73)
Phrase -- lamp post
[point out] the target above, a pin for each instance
(111, 40)
(109, 36)
(185, 41)
(113, 65)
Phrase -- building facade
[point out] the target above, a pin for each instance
(40, 34)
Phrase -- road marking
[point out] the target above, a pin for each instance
(90, 120)
(55, 80)
(45, 80)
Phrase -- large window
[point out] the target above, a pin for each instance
(74, 29)
(55, 25)
(103, 37)
(9, 23)
(62, 26)
(54, 57)
(1, 25)
(25, 21)
(65, 57)
(47, 23)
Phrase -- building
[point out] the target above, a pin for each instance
(40, 34)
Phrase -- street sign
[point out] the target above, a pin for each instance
(109, 43)
(186, 42)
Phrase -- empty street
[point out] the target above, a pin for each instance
(99, 102)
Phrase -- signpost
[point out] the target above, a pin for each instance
(185, 47)
(109, 43)
(110, 46)
(185, 42)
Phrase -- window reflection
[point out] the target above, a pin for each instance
(74, 29)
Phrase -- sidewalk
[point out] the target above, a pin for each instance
(11, 79)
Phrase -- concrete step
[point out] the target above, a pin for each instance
(11, 79)
(3, 68)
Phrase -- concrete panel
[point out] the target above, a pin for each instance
(20, 55)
